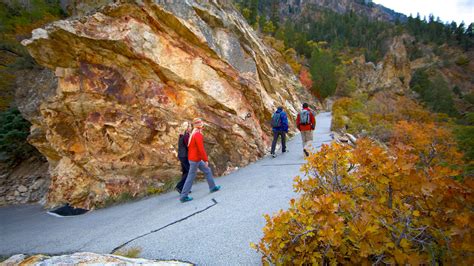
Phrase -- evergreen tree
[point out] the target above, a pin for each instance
(435, 94)
(253, 11)
(323, 72)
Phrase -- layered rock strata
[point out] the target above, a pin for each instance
(129, 74)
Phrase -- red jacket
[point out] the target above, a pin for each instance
(196, 150)
(309, 126)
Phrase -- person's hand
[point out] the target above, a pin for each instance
(207, 164)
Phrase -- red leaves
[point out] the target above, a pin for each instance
(305, 78)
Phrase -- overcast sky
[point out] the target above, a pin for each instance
(446, 10)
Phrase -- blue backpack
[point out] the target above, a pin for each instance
(276, 119)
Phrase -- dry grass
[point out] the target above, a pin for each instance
(132, 252)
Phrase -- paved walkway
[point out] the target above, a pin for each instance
(213, 229)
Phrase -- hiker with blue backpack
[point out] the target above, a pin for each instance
(280, 128)
(306, 123)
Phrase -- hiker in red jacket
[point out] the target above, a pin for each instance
(306, 124)
(197, 159)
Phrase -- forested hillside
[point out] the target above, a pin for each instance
(403, 193)
(17, 20)
(317, 40)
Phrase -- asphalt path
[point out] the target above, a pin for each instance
(213, 229)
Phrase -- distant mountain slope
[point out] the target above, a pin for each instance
(294, 8)
(359, 7)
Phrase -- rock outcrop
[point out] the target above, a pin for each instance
(129, 74)
(84, 258)
(392, 74)
(25, 183)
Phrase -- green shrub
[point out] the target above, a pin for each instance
(14, 130)
(435, 94)
(465, 139)
(462, 61)
(359, 121)
(469, 98)
(17, 19)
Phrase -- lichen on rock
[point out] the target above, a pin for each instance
(130, 73)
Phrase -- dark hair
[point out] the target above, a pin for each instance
(280, 108)
(305, 105)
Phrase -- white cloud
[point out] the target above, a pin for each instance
(447, 11)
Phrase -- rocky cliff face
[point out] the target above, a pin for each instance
(392, 74)
(129, 75)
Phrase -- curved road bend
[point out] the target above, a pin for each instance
(213, 229)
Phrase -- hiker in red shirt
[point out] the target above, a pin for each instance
(306, 123)
(197, 159)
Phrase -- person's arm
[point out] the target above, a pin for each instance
(200, 146)
(313, 121)
(285, 122)
(186, 139)
(179, 146)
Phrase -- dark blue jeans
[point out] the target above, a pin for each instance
(185, 170)
(275, 139)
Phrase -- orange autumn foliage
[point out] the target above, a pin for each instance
(305, 78)
(399, 204)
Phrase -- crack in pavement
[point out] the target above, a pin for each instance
(163, 227)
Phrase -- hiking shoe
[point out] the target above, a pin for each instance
(185, 199)
(177, 189)
(216, 188)
(306, 153)
(286, 151)
(274, 155)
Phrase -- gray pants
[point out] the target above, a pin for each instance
(193, 166)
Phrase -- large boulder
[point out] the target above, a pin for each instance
(85, 258)
(129, 74)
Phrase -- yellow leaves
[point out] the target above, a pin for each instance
(427, 188)
(253, 246)
(359, 191)
(404, 244)
(364, 249)
(344, 213)
(372, 228)
(383, 180)
(382, 200)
